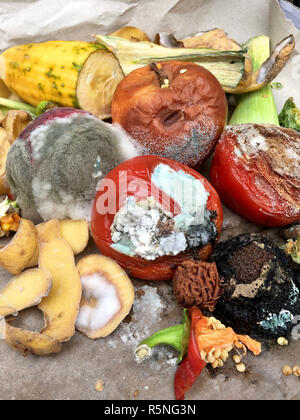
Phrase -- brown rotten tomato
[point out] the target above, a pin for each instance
(256, 171)
(173, 109)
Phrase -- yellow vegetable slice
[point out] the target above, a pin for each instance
(61, 306)
(28, 342)
(15, 256)
(25, 290)
(97, 83)
(107, 298)
(76, 233)
(48, 230)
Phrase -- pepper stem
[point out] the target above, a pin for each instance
(176, 337)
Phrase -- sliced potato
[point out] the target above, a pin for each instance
(28, 342)
(15, 256)
(61, 306)
(25, 290)
(6, 311)
(107, 298)
(48, 230)
(131, 33)
(76, 233)
(97, 82)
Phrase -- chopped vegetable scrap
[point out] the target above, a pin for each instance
(289, 117)
(292, 248)
(9, 217)
(200, 340)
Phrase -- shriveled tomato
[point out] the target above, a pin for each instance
(133, 179)
(255, 170)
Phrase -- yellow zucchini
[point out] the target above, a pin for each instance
(70, 73)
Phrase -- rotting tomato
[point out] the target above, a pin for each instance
(255, 172)
(136, 182)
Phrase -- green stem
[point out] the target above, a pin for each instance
(8, 103)
(176, 337)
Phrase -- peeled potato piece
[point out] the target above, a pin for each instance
(75, 232)
(15, 256)
(61, 306)
(107, 298)
(25, 290)
(28, 342)
(48, 231)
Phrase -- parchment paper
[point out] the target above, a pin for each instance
(72, 374)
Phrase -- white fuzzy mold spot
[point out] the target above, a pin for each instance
(102, 302)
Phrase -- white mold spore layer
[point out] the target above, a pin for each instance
(137, 227)
(105, 303)
(135, 230)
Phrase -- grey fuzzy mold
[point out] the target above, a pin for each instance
(54, 167)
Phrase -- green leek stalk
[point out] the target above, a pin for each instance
(8, 104)
(226, 66)
(177, 337)
(258, 106)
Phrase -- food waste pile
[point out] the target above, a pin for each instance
(150, 219)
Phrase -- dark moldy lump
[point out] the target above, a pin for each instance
(261, 294)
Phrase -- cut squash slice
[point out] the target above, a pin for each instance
(97, 82)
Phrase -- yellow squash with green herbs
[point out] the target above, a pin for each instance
(70, 73)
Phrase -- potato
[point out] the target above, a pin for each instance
(15, 256)
(107, 298)
(61, 306)
(48, 231)
(76, 233)
(25, 290)
(28, 342)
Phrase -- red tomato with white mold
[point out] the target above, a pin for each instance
(134, 178)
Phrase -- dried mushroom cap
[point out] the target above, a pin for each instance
(197, 284)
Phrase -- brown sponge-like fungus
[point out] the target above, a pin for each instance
(197, 284)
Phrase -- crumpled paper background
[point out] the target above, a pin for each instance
(73, 373)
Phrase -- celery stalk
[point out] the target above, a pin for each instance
(258, 106)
